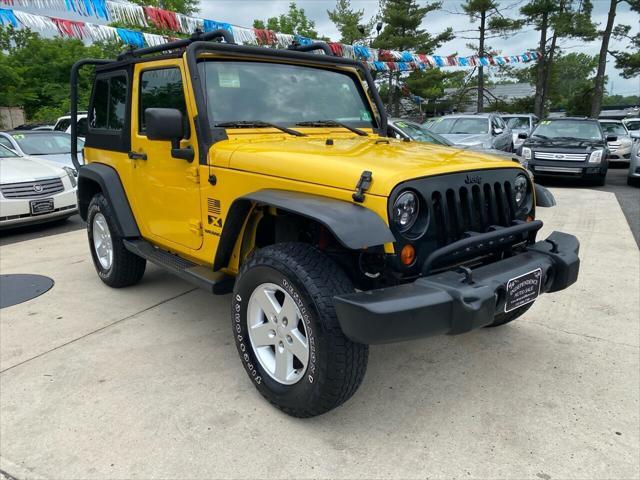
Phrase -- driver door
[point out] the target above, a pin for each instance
(167, 190)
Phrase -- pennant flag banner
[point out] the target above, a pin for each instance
(106, 10)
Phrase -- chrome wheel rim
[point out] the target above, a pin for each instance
(277, 333)
(102, 243)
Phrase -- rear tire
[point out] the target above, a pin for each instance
(504, 318)
(116, 266)
(282, 303)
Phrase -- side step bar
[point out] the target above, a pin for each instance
(214, 282)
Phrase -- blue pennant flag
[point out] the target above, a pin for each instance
(407, 56)
(8, 17)
(130, 37)
(303, 40)
(360, 51)
(211, 25)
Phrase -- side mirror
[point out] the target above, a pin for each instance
(497, 131)
(164, 124)
(612, 138)
(523, 136)
(168, 124)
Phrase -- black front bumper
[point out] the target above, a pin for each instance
(448, 303)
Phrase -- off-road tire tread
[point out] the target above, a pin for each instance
(127, 268)
(323, 280)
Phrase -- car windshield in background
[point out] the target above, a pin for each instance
(464, 125)
(45, 143)
(633, 125)
(240, 91)
(613, 128)
(421, 134)
(6, 153)
(517, 123)
(578, 129)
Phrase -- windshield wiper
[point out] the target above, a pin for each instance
(259, 124)
(332, 123)
(544, 137)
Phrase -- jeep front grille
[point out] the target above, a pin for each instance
(472, 208)
(40, 188)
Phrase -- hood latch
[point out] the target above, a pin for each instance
(363, 185)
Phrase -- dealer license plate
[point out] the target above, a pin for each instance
(44, 205)
(523, 289)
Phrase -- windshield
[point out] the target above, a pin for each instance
(461, 125)
(420, 133)
(579, 129)
(517, 123)
(238, 91)
(6, 153)
(45, 143)
(633, 125)
(611, 128)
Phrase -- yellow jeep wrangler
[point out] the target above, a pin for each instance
(268, 174)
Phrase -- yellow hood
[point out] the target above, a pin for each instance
(310, 159)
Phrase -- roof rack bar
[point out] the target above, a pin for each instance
(197, 36)
(75, 69)
(311, 47)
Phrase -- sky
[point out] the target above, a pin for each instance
(243, 12)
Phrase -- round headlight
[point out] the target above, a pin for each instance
(520, 185)
(405, 211)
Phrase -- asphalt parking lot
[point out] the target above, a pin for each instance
(145, 382)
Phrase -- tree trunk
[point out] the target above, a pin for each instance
(547, 71)
(390, 99)
(538, 105)
(598, 90)
(396, 97)
(480, 69)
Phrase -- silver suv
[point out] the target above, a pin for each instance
(481, 130)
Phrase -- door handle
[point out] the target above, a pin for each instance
(137, 156)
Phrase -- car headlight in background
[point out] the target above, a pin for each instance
(520, 187)
(596, 156)
(405, 210)
(526, 153)
(71, 173)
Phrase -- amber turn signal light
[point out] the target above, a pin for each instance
(407, 254)
(529, 218)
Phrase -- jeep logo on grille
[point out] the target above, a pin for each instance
(469, 179)
(37, 188)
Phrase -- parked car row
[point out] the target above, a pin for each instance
(37, 177)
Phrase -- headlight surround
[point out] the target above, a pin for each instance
(526, 153)
(72, 174)
(406, 210)
(520, 190)
(596, 156)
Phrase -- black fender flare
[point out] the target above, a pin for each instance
(98, 177)
(354, 226)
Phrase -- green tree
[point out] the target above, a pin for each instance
(627, 59)
(555, 20)
(186, 7)
(569, 74)
(294, 22)
(37, 71)
(492, 23)
(402, 20)
(350, 23)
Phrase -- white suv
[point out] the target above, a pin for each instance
(33, 190)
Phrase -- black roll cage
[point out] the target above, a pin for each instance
(201, 42)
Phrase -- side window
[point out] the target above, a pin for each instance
(109, 103)
(494, 123)
(4, 141)
(161, 88)
(82, 127)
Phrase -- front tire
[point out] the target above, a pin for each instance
(116, 266)
(287, 332)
